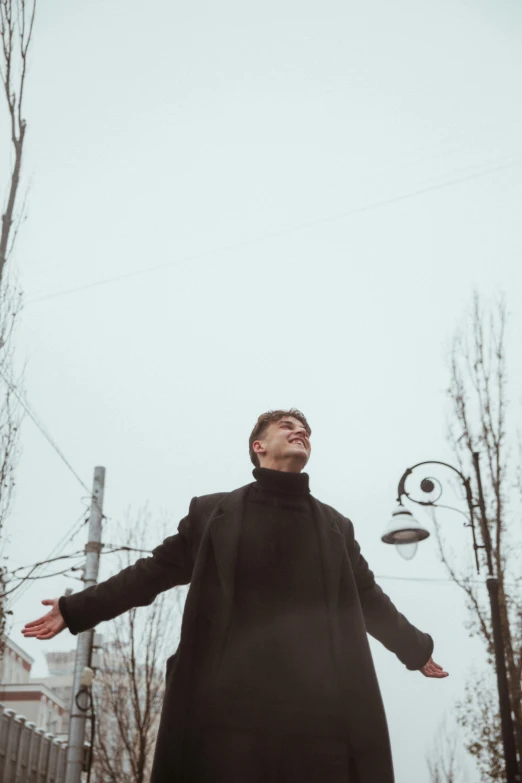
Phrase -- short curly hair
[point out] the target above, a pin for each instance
(265, 420)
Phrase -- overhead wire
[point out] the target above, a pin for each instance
(123, 548)
(70, 555)
(76, 527)
(55, 573)
(70, 534)
(25, 405)
(67, 571)
(34, 566)
(426, 579)
(57, 550)
(74, 530)
(281, 232)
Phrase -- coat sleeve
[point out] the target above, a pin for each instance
(138, 585)
(383, 621)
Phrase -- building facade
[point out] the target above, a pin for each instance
(33, 699)
(15, 665)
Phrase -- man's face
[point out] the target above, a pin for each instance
(284, 446)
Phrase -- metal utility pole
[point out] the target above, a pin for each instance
(75, 752)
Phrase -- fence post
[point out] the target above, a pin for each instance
(4, 729)
(30, 728)
(10, 757)
(39, 755)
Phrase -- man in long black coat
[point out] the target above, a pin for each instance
(273, 678)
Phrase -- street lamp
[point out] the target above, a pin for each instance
(404, 531)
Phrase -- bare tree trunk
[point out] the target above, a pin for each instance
(16, 29)
(10, 418)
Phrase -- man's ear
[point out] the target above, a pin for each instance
(258, 447)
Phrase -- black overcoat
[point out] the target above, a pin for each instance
(204, 552)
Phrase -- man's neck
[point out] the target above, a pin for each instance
(285, 466)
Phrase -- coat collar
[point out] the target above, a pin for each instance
(225, 531)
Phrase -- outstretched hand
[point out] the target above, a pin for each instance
(432, 669)
(48, 625)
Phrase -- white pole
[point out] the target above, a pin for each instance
(75, 752)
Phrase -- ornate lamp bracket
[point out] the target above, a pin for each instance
(429, 484)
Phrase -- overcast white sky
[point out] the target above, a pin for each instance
(306, 195)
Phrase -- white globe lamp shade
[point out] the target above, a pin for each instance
(407, 551)
(404, 532)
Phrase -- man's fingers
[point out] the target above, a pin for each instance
(430, 671)
(43, 632)
(48, 625)
(48, 635)
(43, 618)
(34, 631)
(37, 626)
(35, 623)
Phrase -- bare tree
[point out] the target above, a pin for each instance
(479, 422)
(444, 760)
(478, 714)
(16, 29)
(10, 416)
(129, 687)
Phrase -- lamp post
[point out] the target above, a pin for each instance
(405, 532)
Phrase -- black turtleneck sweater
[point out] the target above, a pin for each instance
(276, 673)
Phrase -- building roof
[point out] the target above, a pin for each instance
(18, 650)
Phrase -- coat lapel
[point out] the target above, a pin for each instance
(225, 531)
(332, 551)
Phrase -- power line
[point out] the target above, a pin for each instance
(73, 555)
(70, 534)
(75, 528)
(428, 579)
(33, 566)
(43, 576)
(123, 548)
(57, 550)
(55, 573)
(33, 417)
(78, 553)
(281, 232)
